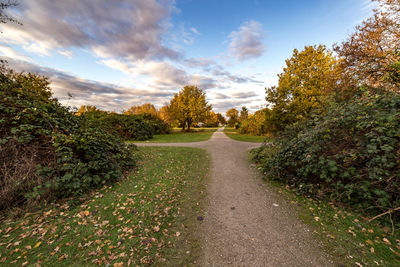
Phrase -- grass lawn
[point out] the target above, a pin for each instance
(347, 236)
(177, 136)
(232, 133)
(147, 218)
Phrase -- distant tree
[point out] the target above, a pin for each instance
(211, 119)
(146, 108)
(255, 124)
(88, 109)
(221, 119)
(244, 113)
(189, 106)
(371, 55)
(164, 114)
(308, 78)
(233, 116)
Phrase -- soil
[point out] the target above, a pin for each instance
(247, 223)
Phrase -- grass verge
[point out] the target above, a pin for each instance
(347, 236)
(177, 136)
(233, 133)
(148, 218)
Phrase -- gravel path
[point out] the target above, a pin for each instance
(246, 223)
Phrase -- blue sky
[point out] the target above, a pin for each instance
(115, 54)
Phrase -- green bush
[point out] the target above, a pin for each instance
(350, 155)
(128, 127)
(46, 152)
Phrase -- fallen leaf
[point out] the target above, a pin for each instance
(63, 257)
(177, 234)
(369, 242)
(316, 219)
(118, 264)
(37, 244)
(386, 241)
(372, 250)
(331, 236)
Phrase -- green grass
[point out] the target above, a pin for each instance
(232, 133)
(148, 218)
(177, 136)
(347, 236)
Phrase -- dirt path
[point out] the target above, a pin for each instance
(246, 223)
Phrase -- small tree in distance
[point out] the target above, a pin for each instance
(233, 116)
(244, 113)
(146, 108)
(189, 106)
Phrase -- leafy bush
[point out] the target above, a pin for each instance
(156, 123)
(351, 154)
(128, 127)
(46, 152)
(254, 124)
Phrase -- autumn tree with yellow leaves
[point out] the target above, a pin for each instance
(306, 81)
(371, 55)
(146, 108)
(88, 109)
(189, 106)
(233, 116)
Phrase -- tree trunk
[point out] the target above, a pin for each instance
(183, 126)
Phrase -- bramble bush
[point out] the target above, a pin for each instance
(128, 127)
(350, 155)
(46, 152)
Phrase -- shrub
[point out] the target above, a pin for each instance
(46, 152)
(350, 155)
(254, 124)
(128, 127)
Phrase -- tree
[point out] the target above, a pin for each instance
(233, 116)
(211, 120)
(88, 109)
(189, 106)
(308, 78)
(221, 119)
(371, 55)
(244, 113)
(254, 124)
(214, 119)
(146, 108)
(164, 114)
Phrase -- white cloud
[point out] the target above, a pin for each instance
(103, 95)
(38, 48)
(66, 53)
(131, 29)
(247, 42)
(11, 53)
(128, 36)
(195, 31)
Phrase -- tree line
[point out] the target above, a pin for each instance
(186, 109)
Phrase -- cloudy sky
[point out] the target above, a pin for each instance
(115, 54)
